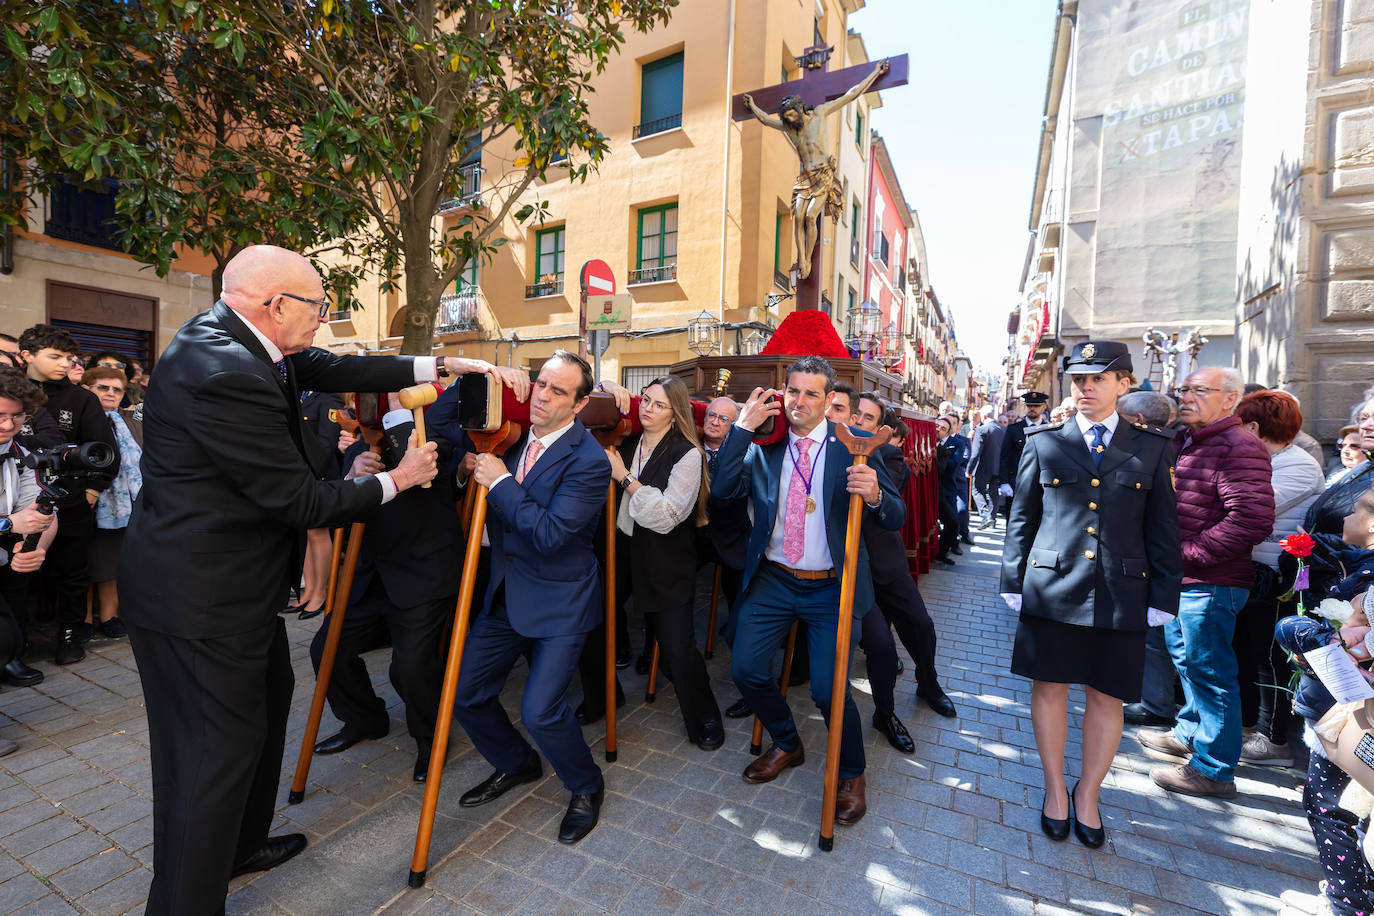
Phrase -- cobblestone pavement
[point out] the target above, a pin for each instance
(952, 829)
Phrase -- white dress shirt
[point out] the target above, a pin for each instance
(1085, 426)
(426, 370)
(816, 552)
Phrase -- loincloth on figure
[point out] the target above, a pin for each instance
(820, 182)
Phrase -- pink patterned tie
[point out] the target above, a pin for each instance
(794, 522)
(531, 456)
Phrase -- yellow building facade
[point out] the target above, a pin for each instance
(690, 209)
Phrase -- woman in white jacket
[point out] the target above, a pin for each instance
(1276, 418)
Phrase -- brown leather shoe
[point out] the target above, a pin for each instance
(1162, 745)
(850, 805)
(1185, 780)
(773, 762)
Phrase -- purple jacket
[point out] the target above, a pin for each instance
(1225, 502)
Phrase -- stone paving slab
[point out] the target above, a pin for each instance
(951, 829)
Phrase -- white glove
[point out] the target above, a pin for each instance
(1005, 490)
(1013, 601)
(1157, 618)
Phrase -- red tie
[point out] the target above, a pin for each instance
(531, 456)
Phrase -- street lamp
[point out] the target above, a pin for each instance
(703, 334)
(750, 344)
(861, 327)
(891, 340)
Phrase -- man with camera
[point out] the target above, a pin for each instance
(216, 539)
(19, 518)
(48, 353)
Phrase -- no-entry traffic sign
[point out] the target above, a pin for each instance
(597, 279)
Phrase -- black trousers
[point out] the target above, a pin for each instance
(217, 712)
(415, 635)
(14, 602)
(675, 630)
(880, 653)
(903, 607)
(65, 573)
(949, 524)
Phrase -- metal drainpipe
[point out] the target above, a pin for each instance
(725, 160)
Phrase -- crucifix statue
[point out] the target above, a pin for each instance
(803, 106)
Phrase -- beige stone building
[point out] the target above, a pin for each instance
(1304, 308)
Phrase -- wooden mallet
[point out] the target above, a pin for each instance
(860, 448)
(415, 399)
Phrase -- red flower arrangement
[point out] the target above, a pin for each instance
(806, 333)
(1298, 545)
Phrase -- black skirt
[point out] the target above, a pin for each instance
(1109, 661)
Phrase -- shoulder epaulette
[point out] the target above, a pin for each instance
(1156, 430)
(1032, 430)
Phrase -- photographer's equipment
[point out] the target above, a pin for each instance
(72, 462)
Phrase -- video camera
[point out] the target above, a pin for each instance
(58, 461)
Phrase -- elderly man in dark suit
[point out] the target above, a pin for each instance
(799, 490)
(404, 592)
(215, 541)
(984, 465)
(543, 598)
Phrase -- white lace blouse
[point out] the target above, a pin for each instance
(662, 510)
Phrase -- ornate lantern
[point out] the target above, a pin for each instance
(861, 327)
(703, 334)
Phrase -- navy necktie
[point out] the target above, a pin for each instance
(281, 369)
(1098, 446)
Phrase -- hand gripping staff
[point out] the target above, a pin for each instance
(860, 448)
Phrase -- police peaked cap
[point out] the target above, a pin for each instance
(1093, 356)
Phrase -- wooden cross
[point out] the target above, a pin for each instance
(816, 86)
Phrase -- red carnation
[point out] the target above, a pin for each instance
(1298, 545)
(806, 333)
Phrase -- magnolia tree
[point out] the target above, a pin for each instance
(323, 124)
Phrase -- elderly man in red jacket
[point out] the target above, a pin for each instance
(1225, 508)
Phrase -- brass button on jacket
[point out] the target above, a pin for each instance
(1089, 554)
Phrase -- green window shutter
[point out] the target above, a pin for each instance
(859, 129)
(467, 280)
(777, 242)
(550, 243)
(660, 97)
(657, 237)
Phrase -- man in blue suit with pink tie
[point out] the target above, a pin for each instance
(544, 594)
(800, 493)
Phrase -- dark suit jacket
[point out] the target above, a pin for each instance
(414, 544)
(218, 530)
(985, 453)
(1013, 444)
(886, 549)
(1094, 546)
(541, 533)
(728, 528)
(747, 470)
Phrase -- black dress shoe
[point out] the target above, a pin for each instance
(18, 674)
(968, 540)
(421, 771)
(1137, 714)
(345, 738)
(957, 550)
(712, 735)
(598, 712)
(498, 784)
(622, 658)
(1091, 837)
(942, 705)
(68, 647)
(895, 732)
(642, 663)
(901, 666)
(275, 851)
(306, 615)
(944, 560)
(583, 813)
(738, 709)
(1057, 830)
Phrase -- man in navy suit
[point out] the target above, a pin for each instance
(544, 595)
(800, 488)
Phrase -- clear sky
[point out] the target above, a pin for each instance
(963, 136)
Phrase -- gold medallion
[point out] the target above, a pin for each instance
(1089, 351)
(810, 504)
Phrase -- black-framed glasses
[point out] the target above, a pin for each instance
(1200, 390)
(324, 305)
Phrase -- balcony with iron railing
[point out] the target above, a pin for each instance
(548, 285)
(83, 215)
(458, 312)
(661, 273)
(880, 249)
(470, 191)
(649, 128)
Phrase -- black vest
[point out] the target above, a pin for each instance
(663, 566)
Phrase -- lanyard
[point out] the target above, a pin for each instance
(805, 479)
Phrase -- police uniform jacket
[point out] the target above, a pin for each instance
(1094, 545)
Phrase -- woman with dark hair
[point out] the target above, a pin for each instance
(666, 485)
(1296, 478)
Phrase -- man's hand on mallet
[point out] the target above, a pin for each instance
(418, 465)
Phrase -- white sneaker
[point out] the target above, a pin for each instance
(1260, 751)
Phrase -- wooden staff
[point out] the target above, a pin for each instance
(860, 448)
(651, 688)
(711, 617)
(495, 443)
(335, 602)
(610, 623)
(415, 399)
(756, 741)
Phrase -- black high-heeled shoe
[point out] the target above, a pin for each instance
(306, 615)
(1091, 837)
(1057, 830)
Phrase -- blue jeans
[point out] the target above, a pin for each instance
(1199, 640)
